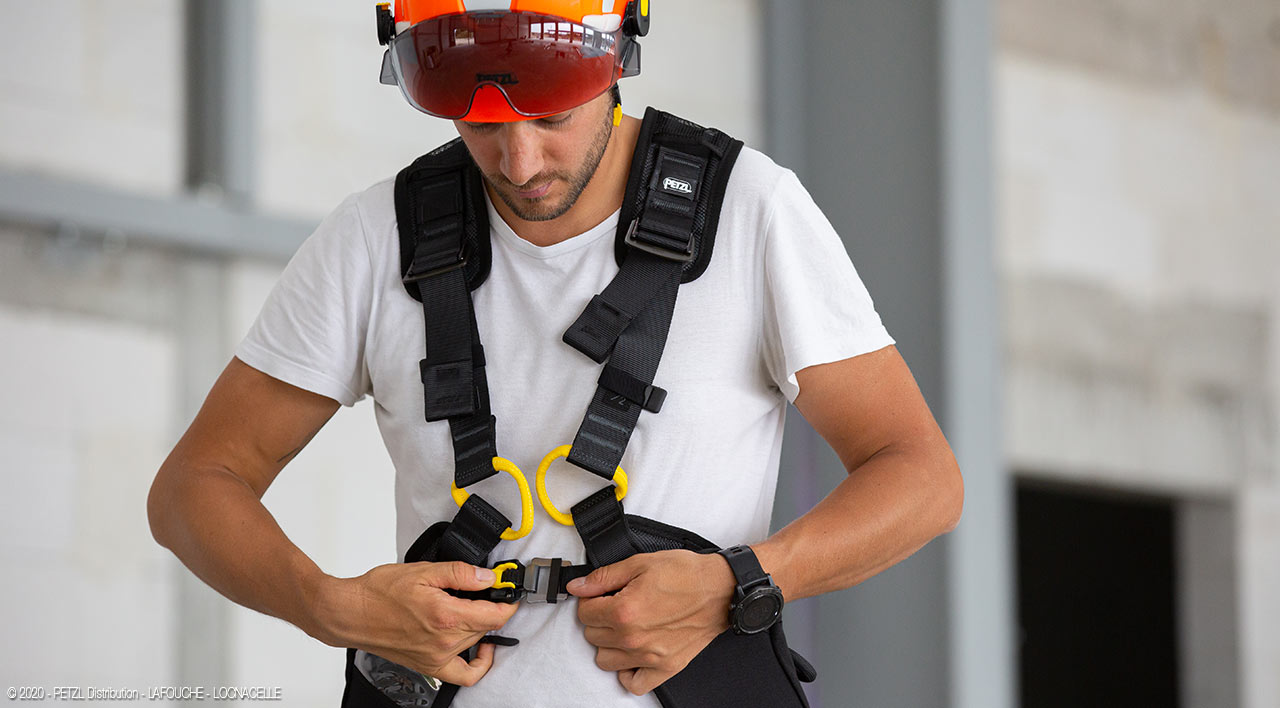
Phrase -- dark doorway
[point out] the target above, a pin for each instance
(1096, 598)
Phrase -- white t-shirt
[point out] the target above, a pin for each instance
(779, 295)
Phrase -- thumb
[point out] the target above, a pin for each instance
(606, 579)
(459, 576)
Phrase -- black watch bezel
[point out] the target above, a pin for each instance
(754, 593)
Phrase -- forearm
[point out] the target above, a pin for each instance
(885, 510)
(218, 527)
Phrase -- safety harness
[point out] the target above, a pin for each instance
(666, 236)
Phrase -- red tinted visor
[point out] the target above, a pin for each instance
(541, 64)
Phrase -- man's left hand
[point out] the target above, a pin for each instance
(666, 607)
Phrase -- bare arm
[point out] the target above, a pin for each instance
(205, 505)
(903, 489)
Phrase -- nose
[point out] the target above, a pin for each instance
(522, 158)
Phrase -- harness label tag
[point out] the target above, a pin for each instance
(677, 186)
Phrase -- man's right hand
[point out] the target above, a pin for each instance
(206, 506)
(402, 612)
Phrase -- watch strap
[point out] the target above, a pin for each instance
(746, 568)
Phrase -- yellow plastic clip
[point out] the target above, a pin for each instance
(526, 499)
(619, 479)
(498, 571)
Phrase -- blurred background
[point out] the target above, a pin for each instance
(1068, 213)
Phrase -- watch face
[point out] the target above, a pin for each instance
(759, 610)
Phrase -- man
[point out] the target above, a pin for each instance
(779, 314)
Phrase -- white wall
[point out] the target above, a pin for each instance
(88, 406)
(92, 90)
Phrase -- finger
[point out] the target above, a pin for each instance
(627, 677)
(597, 611)
(615, 660)
(467, 673)
(604, 638)
(475, 615)
(457, 575)
(606, 579)
(643, 680)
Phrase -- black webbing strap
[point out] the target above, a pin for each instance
(671, 211)
(436, 205)
(602, 525)
(473, 533)
(661, 240)
(447, 371)
(470, 537)
(612, 415)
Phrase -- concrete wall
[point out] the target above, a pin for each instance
(1138, 155)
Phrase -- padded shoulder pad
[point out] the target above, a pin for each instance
(442, 191)
(669, 139)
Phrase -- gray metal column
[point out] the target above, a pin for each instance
(221, 86)
(980, 572)
(221, 169)
(883, 109)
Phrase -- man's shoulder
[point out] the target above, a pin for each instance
(756, 185)
(373, 209)
(756, 171)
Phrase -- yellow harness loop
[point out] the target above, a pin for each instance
(498, 582)
(619, 479)
(526, 499)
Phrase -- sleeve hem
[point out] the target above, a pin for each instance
(865, 343)
(295, 374)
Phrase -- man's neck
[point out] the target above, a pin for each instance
(601, 197)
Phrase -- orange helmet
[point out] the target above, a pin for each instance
(508, 60)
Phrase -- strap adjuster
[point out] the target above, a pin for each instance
(461, 262)
(658, 250)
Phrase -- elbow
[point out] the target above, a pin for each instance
(951, 494)
(157, 505)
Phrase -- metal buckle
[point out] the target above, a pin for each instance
(538, 578)
(659, 251)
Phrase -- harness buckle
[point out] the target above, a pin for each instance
(542, 581)
(671, 254)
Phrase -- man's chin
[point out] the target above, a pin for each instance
(540, 209)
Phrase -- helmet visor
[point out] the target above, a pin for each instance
(542, 64)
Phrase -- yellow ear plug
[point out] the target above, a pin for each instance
(617, 115)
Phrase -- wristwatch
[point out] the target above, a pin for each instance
(757, 602)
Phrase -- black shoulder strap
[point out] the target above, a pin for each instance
(698, 162)
(445, 253)
(666, 236)
(441, 217)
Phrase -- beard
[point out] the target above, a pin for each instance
(541, 208)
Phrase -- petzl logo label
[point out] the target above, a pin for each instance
(677, 186)
(500, 79)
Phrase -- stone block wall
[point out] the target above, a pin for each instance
(1138, 163)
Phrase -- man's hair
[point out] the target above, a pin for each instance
(617, 95)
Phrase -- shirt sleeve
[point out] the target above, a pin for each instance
(311, 332)
(816, 308)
